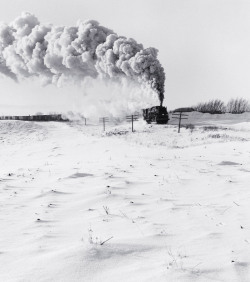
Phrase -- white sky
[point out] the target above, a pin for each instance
(203, 45)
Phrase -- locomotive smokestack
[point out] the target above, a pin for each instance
(161, 98)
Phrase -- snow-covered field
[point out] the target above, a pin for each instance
(154, 205)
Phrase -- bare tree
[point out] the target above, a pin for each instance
(213, 107)
(238, 106)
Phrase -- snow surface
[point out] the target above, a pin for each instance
(77, 204)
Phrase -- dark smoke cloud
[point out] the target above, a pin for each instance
(31, 49)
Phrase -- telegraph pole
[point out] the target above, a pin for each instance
(103, 120)
(132, 118)
(180, 116)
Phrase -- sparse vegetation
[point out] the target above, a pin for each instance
(97, 240)
(238, 106)
(234, 106)
(215, 136)
(210, 128)
(106, 209)
(116, 132)
(212, 107)
(191, 127)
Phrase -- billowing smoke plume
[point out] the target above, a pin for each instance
(31, 49)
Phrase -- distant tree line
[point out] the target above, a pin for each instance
(234, 106)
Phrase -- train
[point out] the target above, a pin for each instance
(157, 114)
(36, 118)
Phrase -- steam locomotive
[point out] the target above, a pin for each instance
(156, 114)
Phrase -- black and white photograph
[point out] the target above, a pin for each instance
(125, 141)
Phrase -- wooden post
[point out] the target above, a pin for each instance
(180, 116)
(132, 118)
(103, 120)
(179, 123)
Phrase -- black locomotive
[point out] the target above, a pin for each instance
(156, 114)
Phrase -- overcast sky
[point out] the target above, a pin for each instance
(204, 45)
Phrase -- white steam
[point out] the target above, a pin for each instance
(87, 50)
(113, 99)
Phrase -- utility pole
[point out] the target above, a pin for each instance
(103, 120)
(132, 118)
(179, 116)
